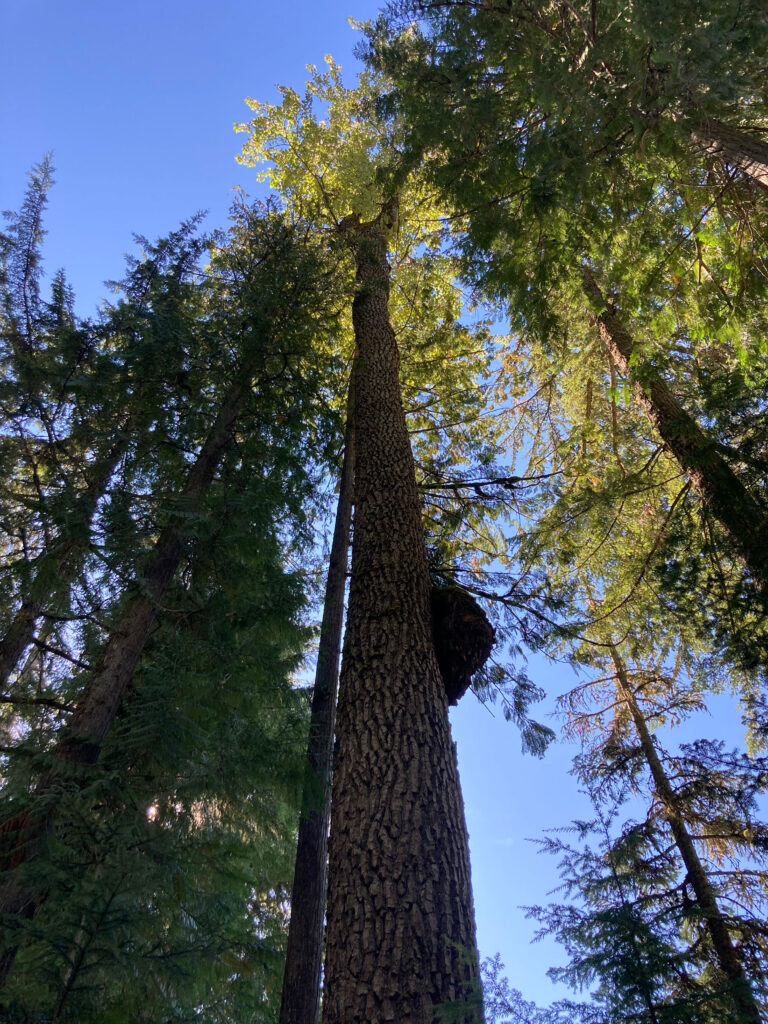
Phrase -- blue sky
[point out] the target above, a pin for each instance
(137, 103)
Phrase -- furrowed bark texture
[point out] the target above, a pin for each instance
(81, 740)
(301, 981)
(742, 518)
(744, 150)
(400, 938)
(57, 571)
(725, 951)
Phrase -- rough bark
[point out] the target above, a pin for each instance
(400, 937)
(56, 571)
(304, 957)
(740, 515)
(725, 951)
(741, 149)
(84, 734)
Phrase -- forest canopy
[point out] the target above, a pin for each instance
(481, 385)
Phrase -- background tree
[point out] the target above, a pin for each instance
(100, 834)
(677, 251)
(300, 999)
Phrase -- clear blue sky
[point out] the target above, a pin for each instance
(137, 103)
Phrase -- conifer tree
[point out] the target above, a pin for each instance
(249, 322)
(544, 200)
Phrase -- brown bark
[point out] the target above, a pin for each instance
(740, 515)
(304, 957)
(81, 740)
(400, 937)
(743, 150)
(725, 951)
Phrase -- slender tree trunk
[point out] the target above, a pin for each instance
(740, 515)
(57, 569)
(725, 951)
(741, 149)
(304, 958)
(84, 734)
(400, 937)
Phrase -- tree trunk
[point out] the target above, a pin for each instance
(57, 569)
(400, 937)
(744, 150)
(725, 951)
(304, 957)
(83, 735)
(728, 500)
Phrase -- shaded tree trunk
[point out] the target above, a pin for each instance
(740, 515)
(84, 734)
(725, 951)
(400, 937)
(744, 150)
(304, 957)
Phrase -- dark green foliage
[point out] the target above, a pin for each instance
(162, 878)
(186, 830)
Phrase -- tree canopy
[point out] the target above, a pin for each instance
(514, 280)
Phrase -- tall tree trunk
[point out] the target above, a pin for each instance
(741, 149)
(400, 937)
(57, 569)
(304, 958)
(84, 734)
(740, 515)
(725, 951)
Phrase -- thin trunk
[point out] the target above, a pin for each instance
(741, 149)
(304, 957)
(400, 937)
(725, 951)
(728, 500)
(56, 571)
(84, 734)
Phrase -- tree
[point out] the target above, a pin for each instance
(255, 293)
(554, 162)
(400, 938)
(641, 925)
(608, 80)
(728, 958)
(300, 1000)
(48, 407)
(701, 802)
(551, 166)
(730, 502)
(166, 898)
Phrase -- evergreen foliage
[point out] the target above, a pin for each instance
(161, 876)
(597, 174)
(573, 146)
